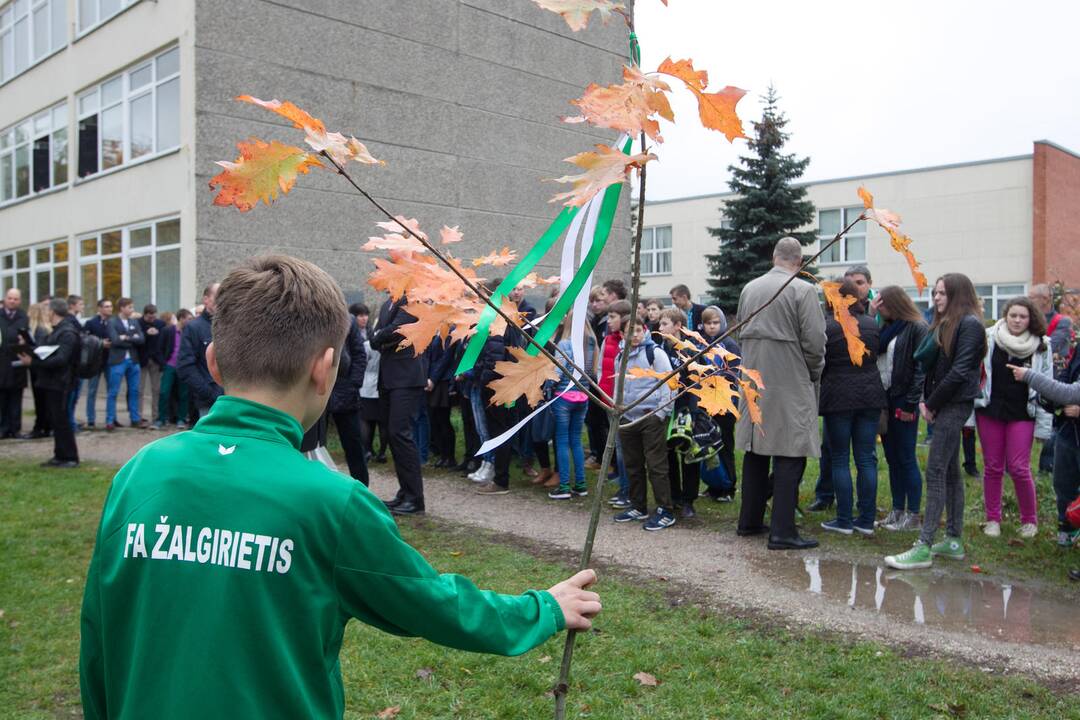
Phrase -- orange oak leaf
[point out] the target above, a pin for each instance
(335, 144)
(678, 343)
(576, 12)
(716, 109)
(391, 241)
(605, 167)
(640, 372)
(715, 395)
(450, 235)
(753, 375)
(498, 259)
(901, 243)
(533, 280)
(628, 107)
(722, 353)
(400, 223)
(394, 276)
(645, 678)
(841, 305)
(752, 397)
(525, 375)
(259, 173)
(435, 320)
(510, 308)
(694, 335)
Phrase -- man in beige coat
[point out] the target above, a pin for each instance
(786, 344)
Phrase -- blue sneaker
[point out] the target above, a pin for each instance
(660, 519)
(867, 530)
(580, 491)
(629, 515)
(560, 493)
(836, 527)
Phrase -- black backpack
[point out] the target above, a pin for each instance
(91, 356)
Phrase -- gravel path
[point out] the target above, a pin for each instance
(730, 572)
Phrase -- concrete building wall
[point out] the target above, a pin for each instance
(1056, 215)
(974, 218)
(462, 99)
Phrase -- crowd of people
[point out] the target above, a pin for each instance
(1012, 383)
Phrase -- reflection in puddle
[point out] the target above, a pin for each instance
(932, 597)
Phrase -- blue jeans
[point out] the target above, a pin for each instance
(476, 397)
(421, 428)
(857, 430)
(128, 371)
(905, 480)
(72, 401)
(569, 421)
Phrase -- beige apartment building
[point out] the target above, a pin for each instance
(1006, 222)
(113, 112)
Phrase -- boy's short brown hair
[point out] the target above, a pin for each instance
(273, 314)
(674, 315)
(123, 303)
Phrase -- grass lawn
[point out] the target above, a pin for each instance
(1010, 556)
(709, 665)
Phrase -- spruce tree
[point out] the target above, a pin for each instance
(766, 207)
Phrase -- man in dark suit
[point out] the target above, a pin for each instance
(126, 344)
(402, 379)
(680, 296)
(151, 361)
(191, 364)
(98, 326)
(12, 373)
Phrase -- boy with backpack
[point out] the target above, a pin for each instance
(643, 434)
(714, 324)
(684, 477)
(227, 566)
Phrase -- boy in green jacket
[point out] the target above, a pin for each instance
(226, 564)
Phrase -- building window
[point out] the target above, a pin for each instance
(96, 12)
(994, 297)
(852, 247)
(39, 272)
(140, 261)
(34, 154)
(29, 31)
(656, 250)
(725, 224)
(130, 117)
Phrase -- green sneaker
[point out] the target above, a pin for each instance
(950, 548)
(919, 556)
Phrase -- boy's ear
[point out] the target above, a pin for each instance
(211, 364)
(324, 372)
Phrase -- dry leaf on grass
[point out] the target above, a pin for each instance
(646, 679)
(390, 712)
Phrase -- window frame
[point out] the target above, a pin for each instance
(127, 97)
(9, 145)
(654, 253)
(9, 276)
(844, 255)
(8, 21)
(81, 32)
(997, 296)
(125, 255)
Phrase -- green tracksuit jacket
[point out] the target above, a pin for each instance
(225, 569)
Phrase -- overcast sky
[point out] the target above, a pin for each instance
(869, 86)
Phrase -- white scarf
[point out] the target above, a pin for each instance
(1020, 346)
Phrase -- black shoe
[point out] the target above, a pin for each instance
(791, 543)
(407, 507)
(440, 463)
(819, 505)
(51, 462)
(1074, 574)
(751, 532)
(67, 464)
(686, 510)
(380, 458)
(394, 501)
(971, 470)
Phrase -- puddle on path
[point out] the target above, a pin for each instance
(999, 610)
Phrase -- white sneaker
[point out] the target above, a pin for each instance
(1029, 530)
(480, 474)
(893, 518)
(992, 529)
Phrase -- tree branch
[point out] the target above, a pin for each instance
(599, 395)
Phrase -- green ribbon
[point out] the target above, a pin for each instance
(554, 318)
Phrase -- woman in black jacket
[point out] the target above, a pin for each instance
(952, 356)
(902, 332)
(851, 402)
(55, 373)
